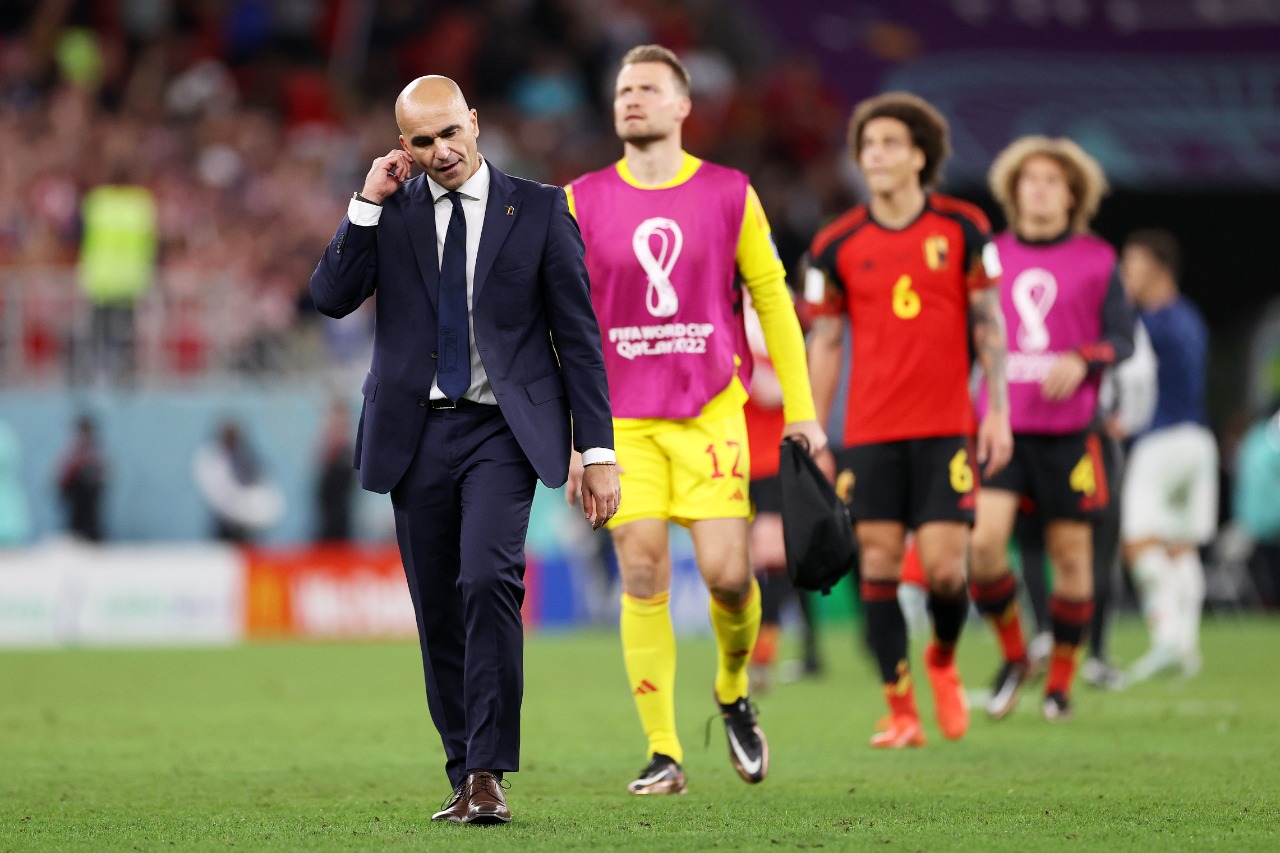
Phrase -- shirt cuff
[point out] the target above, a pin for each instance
(363, 212)
(598, 455)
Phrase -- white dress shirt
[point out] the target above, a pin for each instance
(475, 197)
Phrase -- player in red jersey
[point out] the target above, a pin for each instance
(766, 425)
(913, 274)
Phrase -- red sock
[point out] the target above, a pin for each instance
(1070, 618)
(1009, 630)
(940, 654)
(1062, 669)
(998, 602)
(766, 648)
(900, 695)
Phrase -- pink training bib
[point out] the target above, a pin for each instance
(662, 265)
(1052, 295)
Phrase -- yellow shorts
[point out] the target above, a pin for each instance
(683, 470)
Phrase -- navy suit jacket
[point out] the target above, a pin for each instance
(535, 329)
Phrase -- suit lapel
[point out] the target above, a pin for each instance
(503, 197)
(420, 222)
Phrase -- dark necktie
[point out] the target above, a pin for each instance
(453, 367)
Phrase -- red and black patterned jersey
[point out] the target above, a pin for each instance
(906, 293)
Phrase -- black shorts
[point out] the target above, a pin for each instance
(1062, 476)
(913, 481)
(766, 494)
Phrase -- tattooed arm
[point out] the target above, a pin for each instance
(995, 441)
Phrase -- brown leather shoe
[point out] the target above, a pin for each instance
(454, 809)
(485, 803)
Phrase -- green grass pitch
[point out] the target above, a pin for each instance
(328, 746)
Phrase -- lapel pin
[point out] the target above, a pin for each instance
(510, 210)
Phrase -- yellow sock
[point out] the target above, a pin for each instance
(649, 649)
(736, 630)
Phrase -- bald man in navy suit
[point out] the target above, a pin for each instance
(487, 369)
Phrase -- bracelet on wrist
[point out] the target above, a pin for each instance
(359, 197)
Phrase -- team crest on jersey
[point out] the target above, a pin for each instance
(657, 243)
(936, 249)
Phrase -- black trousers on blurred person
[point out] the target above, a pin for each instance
(113, 342)
(775, 591)
(334, 493)
(462, 511)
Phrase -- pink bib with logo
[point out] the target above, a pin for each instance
(1052, 295)
(662, 266)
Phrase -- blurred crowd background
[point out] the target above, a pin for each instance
(248, 124)
(170, 171)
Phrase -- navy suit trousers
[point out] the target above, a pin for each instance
(462, 513)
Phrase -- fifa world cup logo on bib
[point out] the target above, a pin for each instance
(1034, 291)
(660, 297)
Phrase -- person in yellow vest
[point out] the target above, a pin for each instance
(117, 266)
